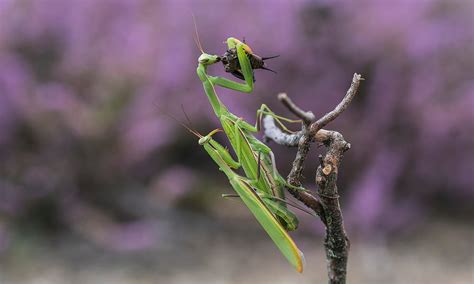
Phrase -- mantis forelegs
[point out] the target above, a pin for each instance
(246, 71)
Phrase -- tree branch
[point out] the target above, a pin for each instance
(307, 116)
(272, 132)
(327, 205)
(342, 106)
(336, 242)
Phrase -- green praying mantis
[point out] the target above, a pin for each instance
(256, 202)
(262, 190)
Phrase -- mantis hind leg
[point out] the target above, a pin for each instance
(286, 218)
(240, 126)
(265, 110)
(264, 150)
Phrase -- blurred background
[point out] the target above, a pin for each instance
(99, 185)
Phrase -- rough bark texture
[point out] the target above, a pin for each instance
(326, 205)
(336, 242)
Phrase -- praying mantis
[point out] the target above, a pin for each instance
(262, 190)
(252, 199)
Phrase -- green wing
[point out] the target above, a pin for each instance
(268, 221)
(256, 205)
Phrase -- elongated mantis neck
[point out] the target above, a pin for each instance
(216, 104)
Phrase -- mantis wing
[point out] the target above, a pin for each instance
(255, 204)
(268, 221)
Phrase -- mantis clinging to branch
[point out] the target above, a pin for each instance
(262, 190)
(252, 199)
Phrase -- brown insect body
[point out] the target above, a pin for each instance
(232, 64)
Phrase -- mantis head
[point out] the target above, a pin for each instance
(205, 139)
(204, 59)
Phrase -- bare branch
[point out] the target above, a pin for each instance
(274, 133)
(307, 116)
(336, 242)
(342, 106)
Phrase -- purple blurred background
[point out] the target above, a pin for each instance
(88, 153)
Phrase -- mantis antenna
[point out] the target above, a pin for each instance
(196, 34)
(194, 132)
(186, 115)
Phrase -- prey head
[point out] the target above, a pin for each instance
(231, 63)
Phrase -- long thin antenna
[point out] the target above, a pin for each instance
(290, 203)
(197, 134)
(196, 34)
(186, 116)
